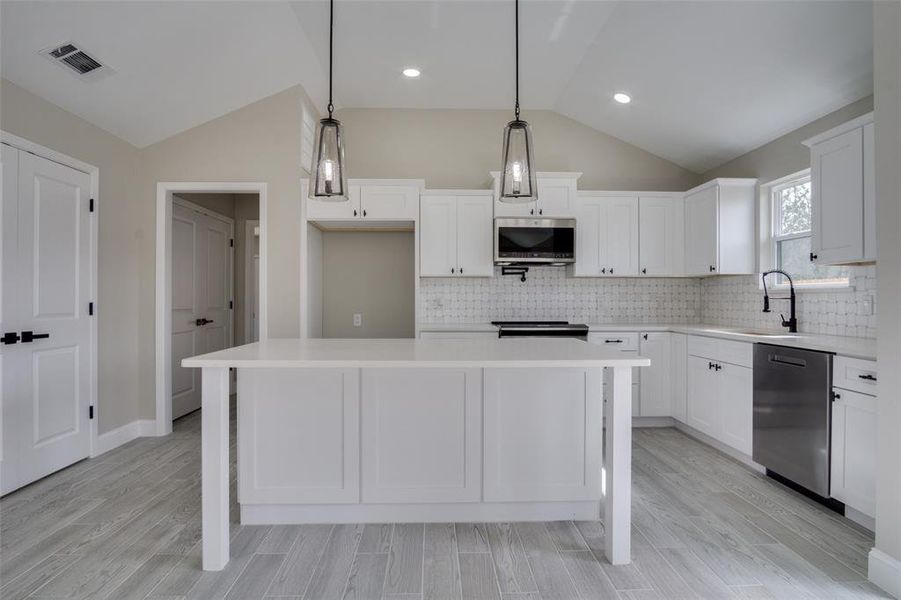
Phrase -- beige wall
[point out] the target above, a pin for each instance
(458, 148)
(124, 231)
(260, 142)
(887, 79)
(371, 273)
(786, 155)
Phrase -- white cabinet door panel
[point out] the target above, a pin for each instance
(735, 389)
(299, 448)
(655, 380)
(677, 377)
(588, 237)
(701, 232)
(837, 198)
(438, 236)
(659, 235)
(619, 236)
(389, 202)
(422, 435)
(855, 422)
(475, 236)
(702, 406)
(543, 433)
(324, 209)
(556, 197)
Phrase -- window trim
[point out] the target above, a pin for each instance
(769, 218)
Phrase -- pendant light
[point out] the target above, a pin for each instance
(329, 180)
(518, 175)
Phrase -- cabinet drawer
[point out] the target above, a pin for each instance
(625, 341)
(854, 374)
(727, 351)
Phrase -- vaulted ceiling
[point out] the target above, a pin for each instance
(710, 79)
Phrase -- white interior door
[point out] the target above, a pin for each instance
(201, 292)
(49, 368)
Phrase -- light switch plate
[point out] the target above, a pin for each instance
(358, 320)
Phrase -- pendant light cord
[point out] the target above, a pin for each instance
(331, 35)
(517, 60)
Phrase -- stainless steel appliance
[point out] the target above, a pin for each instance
(792, 414)
(534, 241)
(563, 329)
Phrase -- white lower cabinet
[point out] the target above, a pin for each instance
(655, 393)
(421, 447)
(719, 395)
(320, 432)
(542, 435)
(855, 420)
(677, 376)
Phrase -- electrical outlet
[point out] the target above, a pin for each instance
(358, 320)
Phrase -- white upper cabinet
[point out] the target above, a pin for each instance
(720, 235)
(369, 200)
(606, 235)
(456, 235)
(843, 199)
(556, 197)
(322, 209)
(660, 235)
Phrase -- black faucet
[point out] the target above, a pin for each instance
(792, 322)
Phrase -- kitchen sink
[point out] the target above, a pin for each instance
(756, 333)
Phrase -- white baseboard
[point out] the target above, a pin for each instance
(706, 439)
(285, 514)
(124, 434)
(885, 572)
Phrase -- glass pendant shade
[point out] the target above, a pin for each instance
(518, 182)
(329, 180)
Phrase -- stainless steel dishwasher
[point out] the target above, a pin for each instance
(792, 414)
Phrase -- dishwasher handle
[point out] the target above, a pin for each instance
(788, 361)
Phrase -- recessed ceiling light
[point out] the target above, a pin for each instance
(411, 72)
(622, 98)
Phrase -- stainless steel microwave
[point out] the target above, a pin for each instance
(534, 241)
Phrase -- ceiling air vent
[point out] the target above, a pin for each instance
(72, 57)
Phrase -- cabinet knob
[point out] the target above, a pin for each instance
(813, 257)
(461, 270)
(611, 270)
(364, 212)
(540, 211)
(645, 336)
(603, 271)
(355, 212)
(531, 211)
(452, 270)
(712, 268)
(644, 271)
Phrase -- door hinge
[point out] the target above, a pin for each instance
(91, 412)
(90, 309)
(231, 243)
(231, 304)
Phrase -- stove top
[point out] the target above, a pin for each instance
(541, 329)
(529, 323)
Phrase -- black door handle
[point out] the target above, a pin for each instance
(9, 338)
(28, 336)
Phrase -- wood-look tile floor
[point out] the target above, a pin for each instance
(127, 525)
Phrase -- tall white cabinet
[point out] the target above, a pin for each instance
(720, 228)
(456, 238)
(843, 200)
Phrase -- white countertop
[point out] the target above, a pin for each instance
(406, 353)
(864, 348)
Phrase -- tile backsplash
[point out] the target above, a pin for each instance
(549, 294)
(727, 300)
(738, 301)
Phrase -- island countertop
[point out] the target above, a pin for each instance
(385, 353)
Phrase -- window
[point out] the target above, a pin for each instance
(791, 235)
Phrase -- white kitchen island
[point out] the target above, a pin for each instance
(362, 431)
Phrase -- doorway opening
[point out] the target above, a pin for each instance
(210, 288)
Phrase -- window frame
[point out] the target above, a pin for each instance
(772, 211)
